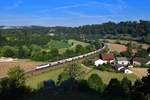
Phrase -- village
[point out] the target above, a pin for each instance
(124, 63)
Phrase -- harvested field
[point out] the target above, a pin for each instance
(117, 47)
(140, 72)
(24, 64)
(115, 41)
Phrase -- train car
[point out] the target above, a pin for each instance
(81, 56)
(62, 61)
(69, 59)
(54, 63)
(42, 66)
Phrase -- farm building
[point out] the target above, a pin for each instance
(122, 60)
(122, 68)
(139, 61)
(107, 57)
(104, 58)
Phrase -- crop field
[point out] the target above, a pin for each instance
(140, 72)
(24, 64)
(117, 47)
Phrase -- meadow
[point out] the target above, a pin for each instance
(35, 80)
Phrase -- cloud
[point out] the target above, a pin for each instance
(16, 4)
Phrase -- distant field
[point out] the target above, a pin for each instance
(117, 47)
(77, 43)
(72, 44)
(57, 44)
(144, 45)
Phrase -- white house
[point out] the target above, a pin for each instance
(100, 62)
(122, 61)
(104, 58)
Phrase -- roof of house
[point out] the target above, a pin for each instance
(108, 56)
(120, 67)
(141, 60)
(122, 59)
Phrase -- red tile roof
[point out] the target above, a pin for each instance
(108, 56)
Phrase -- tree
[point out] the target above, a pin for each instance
(95, 83)
(17, 74)
(79, 49)
(13, 87)
(114, 89)
(126, 86)
(129, 49)
(73, 71)
(8, 51)
(62, 77)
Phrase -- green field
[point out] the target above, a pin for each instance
(107, 76)
(57, 44)
(35, 80)
(63, 45)
(75, 42)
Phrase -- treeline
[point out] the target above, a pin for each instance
(139, 30)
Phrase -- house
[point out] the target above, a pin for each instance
(122, 61)
(105, 58)
(100, 62)
(139, 61)
(122, 68)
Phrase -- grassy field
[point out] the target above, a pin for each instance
(107, 76)
(35, 80)
(57, 44)
(72, 44)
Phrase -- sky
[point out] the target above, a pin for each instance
(71, 12)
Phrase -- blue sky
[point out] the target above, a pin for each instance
(71, 12)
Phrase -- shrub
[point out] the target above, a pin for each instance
(95, 83)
